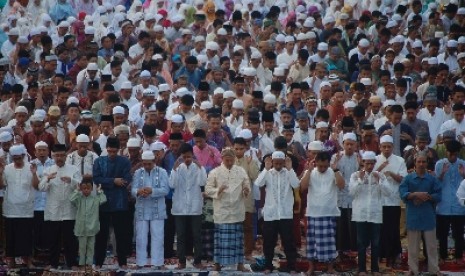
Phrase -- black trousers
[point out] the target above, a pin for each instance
(122, 225)
(39, 231)
(346, 231)
(192, 225)
(62, 232)
(170, 231)
(443, 224)
(390, 233)
(271, 229)
(18, 232)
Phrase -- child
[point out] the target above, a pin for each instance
(87, 218)
(187, 179)
(322, 184)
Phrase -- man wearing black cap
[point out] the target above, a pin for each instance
(202, 93)
(113, 172)
(269, 127)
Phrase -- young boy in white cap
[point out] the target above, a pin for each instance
(150, 186)
(323, 184)
(280, 180)
(368, 187)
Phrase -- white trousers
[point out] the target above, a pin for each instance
(156, 245)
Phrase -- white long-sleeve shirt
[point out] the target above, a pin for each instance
(18, 200)
(322, 195)
(396, 165)
(435, 121)
(368, 193)
(279, 199)
(186, 182)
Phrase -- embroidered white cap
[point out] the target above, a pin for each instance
(17, 150)
(133, 143)
(321, 125)
(40, 144)
(177, 119)
(21, 109)
(148, 155)
(278, 155)
(315, 145)
(350, 104)
(386, 139)
(82, 138)
(269, 99)
(238, 104)
(205, 105)
(118, 110)
(157, 146)
(245, 133)
(369, 155)
(349, 136)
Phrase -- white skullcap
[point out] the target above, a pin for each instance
(211, 45)
(205, 105)
(366, 81)
(89, 30)
(278, 72)
(149, 92)
(64, 24)
(349, 136)
(391, 24)
(461, 11)
(324, 83)
(408, 147)
(13, 31)
(82, 138)
(389, 103)
(21, 109)
(163, 87)
(386, 139)
(222, 31)
(460, 55)
(278, 155)
(218, 90)
(177, 119)
(17, 150)
(133, 143)
(369, 155)
(417, 44)
(157, 146)
(237, 103)
(452, 43)
(238, 48)
(186, 32)
(280, 38)
(157, 56)
(250, 72)
(309, 23)
(126, 85)
(181, 92)
(433, 61)
(23, 40)
(322, 125)
(245, 133)
(461, 40)
(199, 38)
(71, 100)
(229, 94)
(315, 145)
(289, 39)
(92, 66)
(301, 36)
(256, 55)
(158, 28)
(350, 104)
(438, 34)
(40, 144)
(396, 17)
(269, 99)
(322, 46)
(328, 19)
(35, 118)
(364, 43)
(118, 110)
(5, 136)
(148, 155)
(145, 74)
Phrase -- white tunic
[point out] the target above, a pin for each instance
(18, 201)
(322, 195)
(397, 166)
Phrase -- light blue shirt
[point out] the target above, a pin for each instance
(153, 206)
(449, 205)
(41, 197)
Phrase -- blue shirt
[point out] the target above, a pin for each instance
(193, 77)
(168, 164)
(449, 204)
(105, 171)
(420, 217)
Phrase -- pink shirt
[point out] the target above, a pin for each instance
(209, 157)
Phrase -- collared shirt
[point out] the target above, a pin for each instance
(435, 121)
(30, 140)
(304, 137)
(347, 165)
(186, 181)
(85, 164)
(153, 206)
(396, 165)
(229, 205)
(252, 170)
(58, 206)
(209, 156)
(322, 194)
(279, 199)
(449, 204)
(41, 197)
(420, 217)
(368, 193)
(18, 200)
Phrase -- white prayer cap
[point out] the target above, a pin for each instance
(23, 40)
(5, 136)
(118, 110)
(205, 105)
(145, 74)
(389, 103)
(322, 46)
(386, 139)
(396, 17)
(349, 136)
(157, 56)
(17, 150)
(328, 19)
(369, 155)
(158, 28)
(229, 94)
(186, 32)
(280, 38)
(177, 18)
(221, 31)
(202, 59)
(391, 24)
(13, 31)
(364, 43)
(35, 118)
(278, 72)
(461, 40)
(238, 104)
(85, 114)
(71, 100)
(89, 30)
(126, 85)
(452, 43)
(249, 72)
(433, 61)
(45, 17)
(350, 104)
(43, 29)
(269, 99)
(64, 24)
(460, 55)
(408, 147)
(21, 109)
(163, 87)
(120, 8)
(289, 39)
(310, 35)
(181, 92)
(213, 46)
(40, 144)
(315, 145)
(34, 31)
(148, 155)
(149, 92)
(157, 146)
(238, 48)
(133, 143)
(309, 23)
(256, 55)
(366, 81)
(278, 155)
(177, 119)
(432, 6)
(461, 11)
(343, 16)
(218, 90)
(417, 44)
(301, 36)
(321, 125)
(92, 66)
(438, 34)
(245, 133)
(82, 138)
(199, 38)
(324, 83)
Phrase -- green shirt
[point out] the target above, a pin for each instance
(87, 215)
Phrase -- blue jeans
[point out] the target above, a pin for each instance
(368, 233)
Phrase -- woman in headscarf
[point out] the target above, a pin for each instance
(190, 13)
(78, 30)
(209, 9)
(136, 7)
(229, 8)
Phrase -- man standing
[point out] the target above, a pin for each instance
(114, 173)
(59, 181)
(421, 191)
(228, 185)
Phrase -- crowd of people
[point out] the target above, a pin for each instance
(204, 127)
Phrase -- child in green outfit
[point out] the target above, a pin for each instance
(87, 223)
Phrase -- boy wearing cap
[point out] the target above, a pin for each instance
(347, 162)
(19, 180)
(368, 187)
(394, 168)
(322, 184)
(150, 186)
(280, 180)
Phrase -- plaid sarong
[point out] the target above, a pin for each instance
(207, 243)
(229, 243)
(321, 239)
